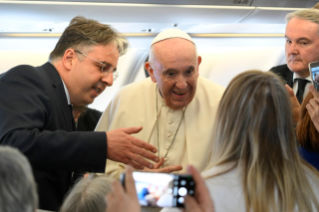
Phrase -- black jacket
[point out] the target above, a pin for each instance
(284, 73)
(89, 120)
(36, 119)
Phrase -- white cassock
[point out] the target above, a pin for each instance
(135, 105)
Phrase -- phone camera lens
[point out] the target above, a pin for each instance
(183, 182)
(182, 191)
(181, 200)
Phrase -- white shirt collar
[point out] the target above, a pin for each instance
(295, 85)
(307, 78)
(66, 92)
(65, 89)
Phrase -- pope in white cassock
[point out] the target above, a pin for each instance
(175, 106)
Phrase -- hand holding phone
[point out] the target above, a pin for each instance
(202, 201)
(121, 200)
(313, 107)
(314, 73)
(162, 189)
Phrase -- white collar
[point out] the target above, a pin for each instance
(65, 89)
(66, 92)
(307, 78)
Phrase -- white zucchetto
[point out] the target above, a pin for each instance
(172, 33)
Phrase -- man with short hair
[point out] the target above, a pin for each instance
(36, 112)
(18, 190)
(302, 47)
(175, 106)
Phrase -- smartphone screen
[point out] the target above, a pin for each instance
(314, 73)
(161, 189)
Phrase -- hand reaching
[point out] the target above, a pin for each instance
(167, 169)
(124, 148)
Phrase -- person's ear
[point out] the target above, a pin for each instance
(68, 58)
(150, 71)
(199, 60)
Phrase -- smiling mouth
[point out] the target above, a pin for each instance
(97, 90)
(179, 93)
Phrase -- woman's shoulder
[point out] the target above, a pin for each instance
(225, 188)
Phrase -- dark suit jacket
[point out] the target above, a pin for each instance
(89, 120)
(36, 119)
(311, 157)
(86, 122)
(284, 73)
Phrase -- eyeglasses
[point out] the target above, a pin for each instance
(105, 68)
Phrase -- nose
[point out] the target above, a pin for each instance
(292, 48)
(181, 83)
(107, 78)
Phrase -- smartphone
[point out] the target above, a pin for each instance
(314, 73)
(162, 189)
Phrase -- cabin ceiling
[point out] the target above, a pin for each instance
(151, 16)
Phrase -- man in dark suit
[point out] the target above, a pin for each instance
(36, 111)
(302, 47)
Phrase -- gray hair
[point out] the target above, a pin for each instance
(18, 189)
(83, 32)
(311, 14)
(88, 195)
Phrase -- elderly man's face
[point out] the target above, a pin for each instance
(175, 70)
(302, 45)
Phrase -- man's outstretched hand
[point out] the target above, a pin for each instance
(124, 148)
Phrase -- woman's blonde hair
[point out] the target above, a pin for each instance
(254, 129)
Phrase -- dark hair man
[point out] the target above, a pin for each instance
(36, 114)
